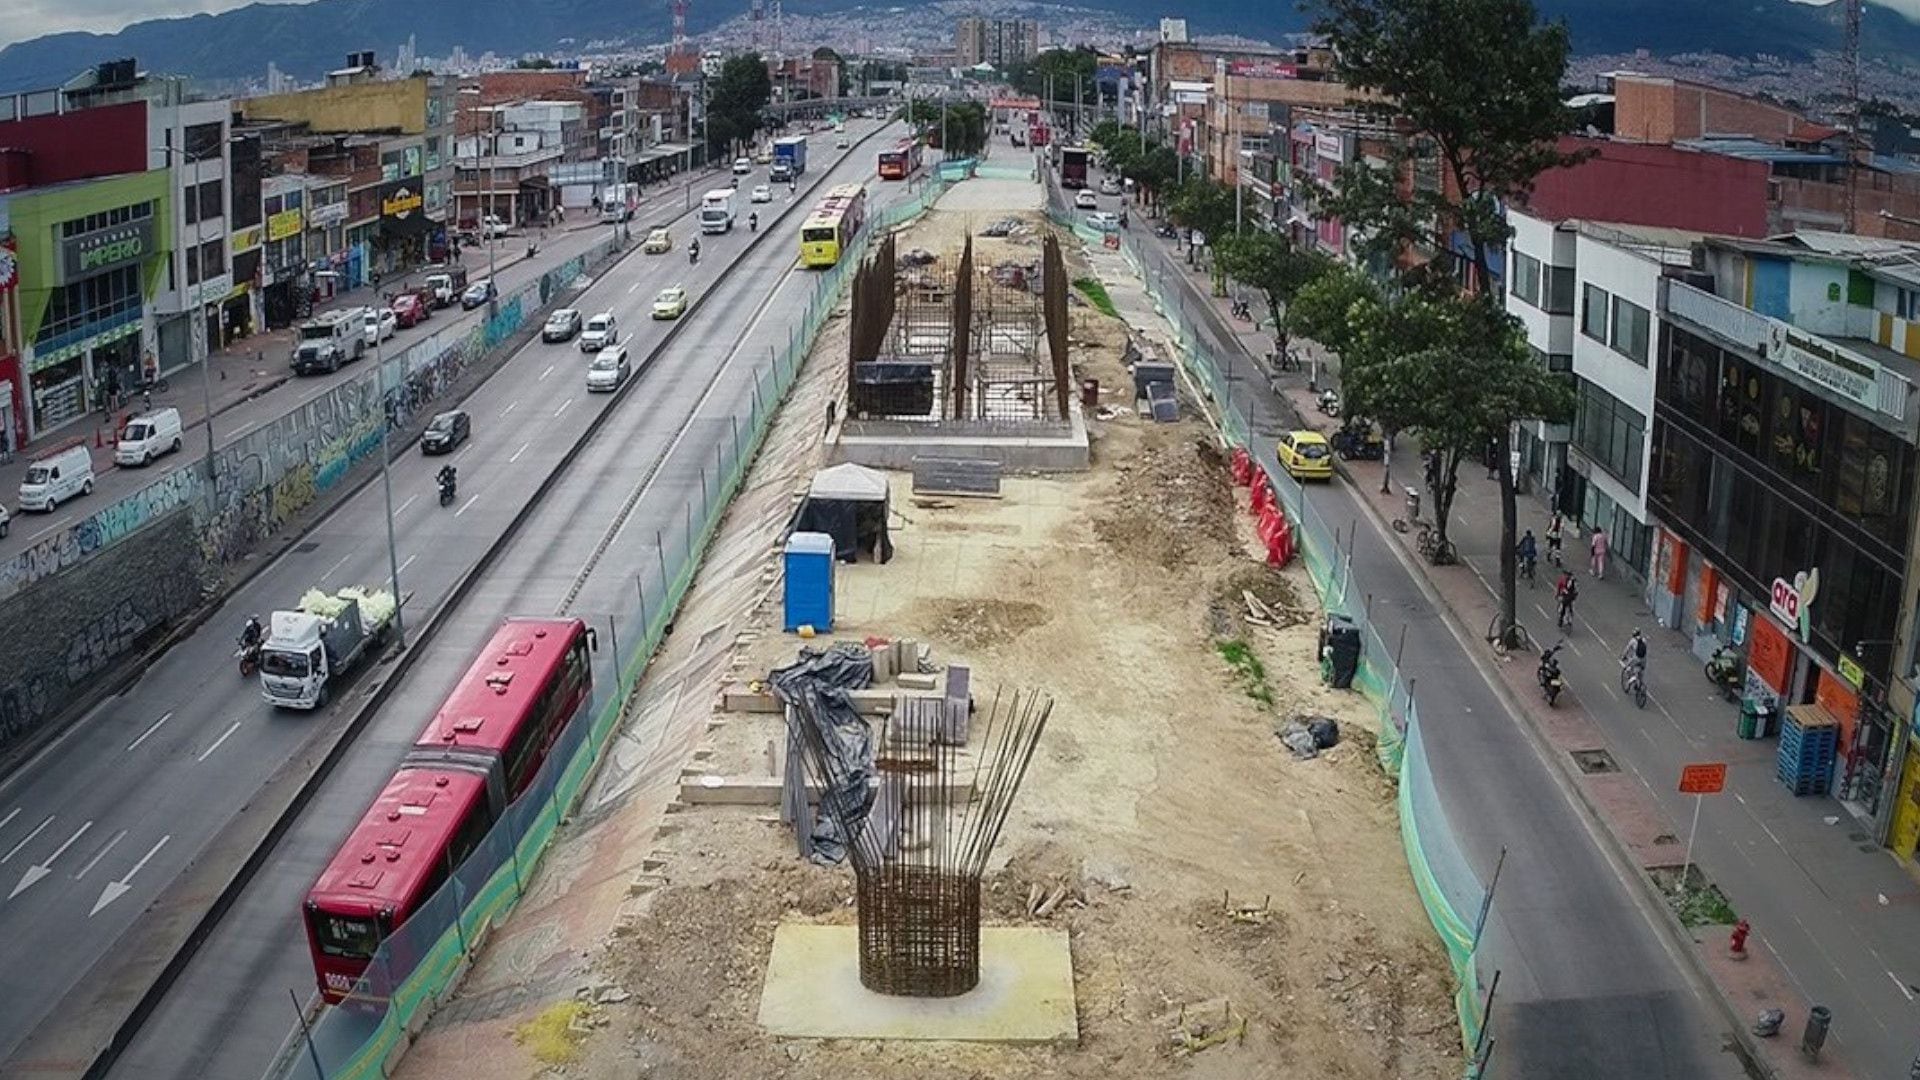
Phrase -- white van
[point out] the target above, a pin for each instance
(54, 479)
(147, 437)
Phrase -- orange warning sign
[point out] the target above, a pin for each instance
(1703, 779)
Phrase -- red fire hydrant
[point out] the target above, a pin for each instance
(1737, 942)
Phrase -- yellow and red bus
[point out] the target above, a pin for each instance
(900, 162)
(832, 225)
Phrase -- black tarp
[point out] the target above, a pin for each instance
(850, 503)
(826, 732)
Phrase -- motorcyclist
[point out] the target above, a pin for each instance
(251, 634)
(1549, 668)
(448, 478)
(693, 251)
(753, 221)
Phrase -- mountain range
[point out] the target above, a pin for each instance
(307, 39)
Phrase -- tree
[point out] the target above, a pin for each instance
(735, 101)
(965, 124)
(1206, 205)
(1477, 83)
(1270, 263)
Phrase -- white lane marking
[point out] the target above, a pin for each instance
(517, 453)
(409, 502)
(150, 730)
(509, 408)
(95, 861)
(544, 374)
(563, 407)
(470, 502)
(59, 523)
(224, 736)
(1901, 985)
(37, 830)
(409, 561)
(116, 889)
(42, 869)
(632, 287)
(336, 566)
(5, 821)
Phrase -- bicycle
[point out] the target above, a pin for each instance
(1436, 551)
(1529, 571)
(1633, 684)
(1565, 617)
(1508, 637)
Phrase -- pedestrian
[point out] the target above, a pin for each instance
(146, 400)
(831, 405)
(1597, 548)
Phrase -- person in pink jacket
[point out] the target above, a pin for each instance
(1597, 546)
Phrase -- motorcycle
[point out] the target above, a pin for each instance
(1328, 403)
(1724, 670)
(447, 489)
(693, 255)
(249, 657)
(1548, 675)
(753, 223)
(1357, 439)
(1242, 311)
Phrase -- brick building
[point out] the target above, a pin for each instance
(998, 42)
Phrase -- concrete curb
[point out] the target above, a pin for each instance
(309, 786)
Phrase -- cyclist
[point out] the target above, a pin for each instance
(1555, 533)
(1634, 656)
(1528, 552)
(1566, 590)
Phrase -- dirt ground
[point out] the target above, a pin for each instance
(1207, 872)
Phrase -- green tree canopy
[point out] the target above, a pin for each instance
(1270, 263)
(965, 123)
(735, 100)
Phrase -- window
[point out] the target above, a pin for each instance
(1558, 362)
(1526, 278)
(101, 299)
(213, 257)
(1906, 304)
(109, 219)
(1631, 325)
(204, 203)
(1593, 319)
(1611, 432)
(1559, 298)
(204, 142)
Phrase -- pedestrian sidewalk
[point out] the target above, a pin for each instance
(1830, 911)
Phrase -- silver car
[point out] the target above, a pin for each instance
(610, 368)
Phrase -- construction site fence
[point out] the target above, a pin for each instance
(419, 964)
(1450, 890)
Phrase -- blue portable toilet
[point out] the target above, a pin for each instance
(809, 587)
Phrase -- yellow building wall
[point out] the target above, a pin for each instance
(396, 105)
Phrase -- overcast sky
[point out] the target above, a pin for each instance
(32, 18)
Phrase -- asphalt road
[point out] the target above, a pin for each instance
(112, 483)
(230, 1011)
(1588, 986)
(93, 829)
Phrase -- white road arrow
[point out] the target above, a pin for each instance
(117, 889)
(39, 870)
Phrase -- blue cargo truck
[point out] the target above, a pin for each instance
(789, 158)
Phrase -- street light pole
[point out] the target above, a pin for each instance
(386, 482)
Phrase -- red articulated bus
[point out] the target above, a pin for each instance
(481, 752)
(900, 162)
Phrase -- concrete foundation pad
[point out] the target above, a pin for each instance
(1025, 994)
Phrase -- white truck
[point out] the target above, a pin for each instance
(311, 648)
(716, 211)
(616, 203)
(329, 340)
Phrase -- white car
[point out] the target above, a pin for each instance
(1109, 186)
(380, 324)
(841, 142)
(1086, 200)
(761, 193)
(742, 166)
(3, 522)
(1103, 221)
(609, 369)
(602, 331)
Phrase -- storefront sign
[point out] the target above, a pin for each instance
(284, 224)
(1741, 618)
(106, 249)
(331, 214)
(1706, 779)
(403, 209)
(1793, 601)
(248, 239)
(1328, 146)
(1853, 377)
(9, 268)
(1838, 699)
(1850, 671)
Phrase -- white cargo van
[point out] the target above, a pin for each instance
(54, 479)
(147, 437)
(716, 211)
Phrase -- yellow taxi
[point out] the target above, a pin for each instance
(671, 303)
(659, 242)
(1305, 455)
